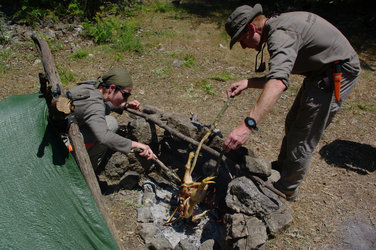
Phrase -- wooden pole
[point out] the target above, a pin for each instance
(173, 131)
(75, 137)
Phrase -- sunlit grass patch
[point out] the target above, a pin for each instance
(360, 106)
(189, 61)
(223, 77)
(206, 87)
(79, 54)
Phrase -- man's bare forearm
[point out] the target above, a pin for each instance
(272, 90)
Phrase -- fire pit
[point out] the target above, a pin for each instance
(244, 211)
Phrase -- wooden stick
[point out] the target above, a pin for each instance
(172, 131)
(75, 137)
(169, 172)
(257, 179)
(212, 127)
(48, 65)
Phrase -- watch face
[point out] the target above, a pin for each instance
(251, 122)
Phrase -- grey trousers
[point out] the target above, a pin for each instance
(311, 113)
(97, 151)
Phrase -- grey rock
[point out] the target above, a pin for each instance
(274, 177)
(358, 234)
(149, 109)
(236, 226)
(50, 34)
(243, 196)
(245, 232)
(153, 237)
(207, 245)
(177, 63)
(145, 215)
(256, 166)
(60, 26)
(148, 196)
(185, 244)
(141, 131)
(257, 233)
(117, 165)
(280, 219)
(181, 123)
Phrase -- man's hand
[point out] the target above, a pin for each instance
(237, 87)
(237, 138)
(133, 105)
(145, 150)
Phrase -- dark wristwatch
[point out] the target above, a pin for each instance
(251, 123)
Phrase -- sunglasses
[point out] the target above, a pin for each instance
(125, 94)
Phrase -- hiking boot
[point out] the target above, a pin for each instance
(291, 196)
(276, 166)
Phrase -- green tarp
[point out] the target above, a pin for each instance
(44, 200)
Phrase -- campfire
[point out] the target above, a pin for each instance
(226, 201)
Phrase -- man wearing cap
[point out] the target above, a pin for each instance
(298, 43)
(93, 101)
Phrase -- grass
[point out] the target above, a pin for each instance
(360, 107)
(206, 87)
(222, 77)
(5, 56)
(66, 76)
(189, 61)
(79, 54)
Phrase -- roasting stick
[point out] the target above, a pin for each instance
(169, 172)
(212, 127)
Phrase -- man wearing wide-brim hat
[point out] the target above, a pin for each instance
(298, 43)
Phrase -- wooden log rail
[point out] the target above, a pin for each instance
(81, 156)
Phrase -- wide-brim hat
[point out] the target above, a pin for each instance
(239, 19)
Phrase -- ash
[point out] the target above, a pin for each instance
(157, 204)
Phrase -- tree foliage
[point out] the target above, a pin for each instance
(28, 10)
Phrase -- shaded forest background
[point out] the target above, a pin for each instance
(355, 18)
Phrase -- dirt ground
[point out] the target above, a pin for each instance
(336, 208)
